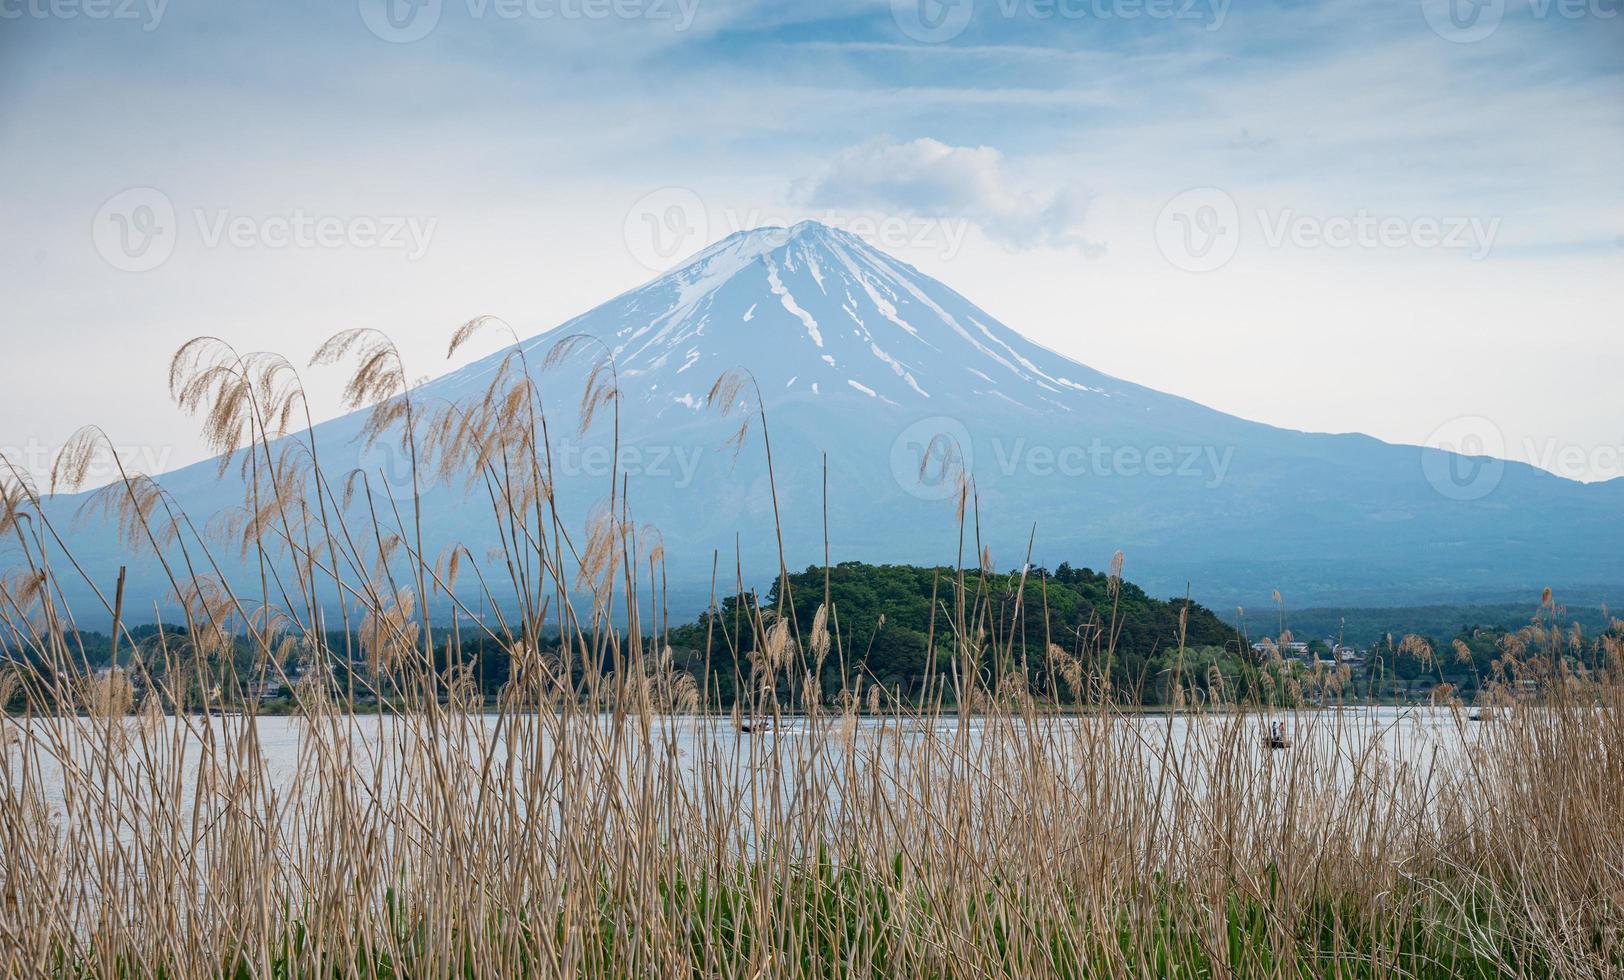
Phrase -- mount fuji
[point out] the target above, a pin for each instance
(865, 362)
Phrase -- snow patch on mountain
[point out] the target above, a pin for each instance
(784, 297)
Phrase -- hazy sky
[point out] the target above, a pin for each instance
(1403, 219)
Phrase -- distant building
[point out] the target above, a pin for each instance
(263, 691)
(1341, 653)
(123, 676)
(1295, 648)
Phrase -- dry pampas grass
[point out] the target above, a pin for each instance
(605, 815)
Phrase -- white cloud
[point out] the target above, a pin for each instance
(932, 179)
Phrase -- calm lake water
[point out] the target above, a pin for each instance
(1331, 741)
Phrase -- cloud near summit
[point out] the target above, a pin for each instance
(932, 179)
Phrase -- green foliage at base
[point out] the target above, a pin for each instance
(820, 919)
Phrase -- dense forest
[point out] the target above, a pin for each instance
(886, 619)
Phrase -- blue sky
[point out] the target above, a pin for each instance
(1422, 216)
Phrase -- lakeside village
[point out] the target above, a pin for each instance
(1300, 654)
(1359, 671)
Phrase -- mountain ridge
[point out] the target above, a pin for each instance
(865, 362)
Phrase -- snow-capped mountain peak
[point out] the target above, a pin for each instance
(818, 312)
(862, 361)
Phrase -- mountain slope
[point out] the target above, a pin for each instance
(862, 358)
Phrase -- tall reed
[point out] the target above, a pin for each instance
(605, 818)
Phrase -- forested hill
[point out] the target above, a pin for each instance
(883, 617)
